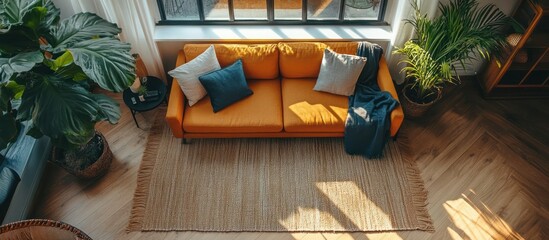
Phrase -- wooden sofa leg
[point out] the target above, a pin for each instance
(186, 141)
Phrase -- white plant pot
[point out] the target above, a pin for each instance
(136, 85)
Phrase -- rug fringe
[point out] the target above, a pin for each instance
(145, 171)
(419, 192)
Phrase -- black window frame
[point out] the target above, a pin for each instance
(270, 17)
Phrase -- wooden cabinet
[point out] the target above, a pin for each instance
(524, 72)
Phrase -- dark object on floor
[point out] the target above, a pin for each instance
(34, 229)
(88, 162)
(156, 89)
(414, 109)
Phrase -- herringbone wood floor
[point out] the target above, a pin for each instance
(484, 163)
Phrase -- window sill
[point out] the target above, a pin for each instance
(254, 33)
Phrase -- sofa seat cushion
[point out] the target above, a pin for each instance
(260, 112)
(260, 61)
(306, 110)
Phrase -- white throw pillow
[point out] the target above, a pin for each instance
(188, 73)
(339, 73)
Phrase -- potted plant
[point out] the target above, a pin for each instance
(47, 65)
(462, 32)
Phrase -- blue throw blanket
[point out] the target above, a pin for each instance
(368, 118)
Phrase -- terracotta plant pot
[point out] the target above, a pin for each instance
(97, 169)
(413, 109)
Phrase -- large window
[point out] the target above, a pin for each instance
(271, 11)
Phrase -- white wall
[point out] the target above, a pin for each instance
(70, 7)
(65, 6)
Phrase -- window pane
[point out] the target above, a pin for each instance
(287, 9)
(362, 9)
(181, 9)
(323, 9)
(250, 9)
(215, 9)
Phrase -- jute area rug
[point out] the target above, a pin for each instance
(307, 184)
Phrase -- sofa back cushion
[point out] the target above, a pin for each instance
(260, 61)
(303, 59)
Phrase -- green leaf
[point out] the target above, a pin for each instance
(72, 71)
(106, 61)
(64, 111)
(18, 39)
(109, 108)
(29, 76)
(21, 22)
(462, 31)
(34, 132)
(52, 17)
(62, 61)
(9, 129)
(28, 101)
(33, 18)
(16, 89)
(79, 76)
(13, 11)
(19, 63)
(5, 97)
(74, 140)
(81, 27)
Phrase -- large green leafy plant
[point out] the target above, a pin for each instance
(46, 66)
(463, 31)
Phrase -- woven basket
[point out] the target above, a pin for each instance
(413, 109)
(41, 229)
(95, 170)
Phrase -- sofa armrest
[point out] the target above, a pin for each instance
(385, 83)
(176, 104)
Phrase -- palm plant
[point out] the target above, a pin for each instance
(46, 65)
(463, 31)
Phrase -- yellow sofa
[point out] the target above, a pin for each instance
(284, 104)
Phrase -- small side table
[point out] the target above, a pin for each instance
(152, 83)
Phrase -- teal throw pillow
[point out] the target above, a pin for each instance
(226, 86)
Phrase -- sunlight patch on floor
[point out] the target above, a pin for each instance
(476, 222)
(453, 234)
